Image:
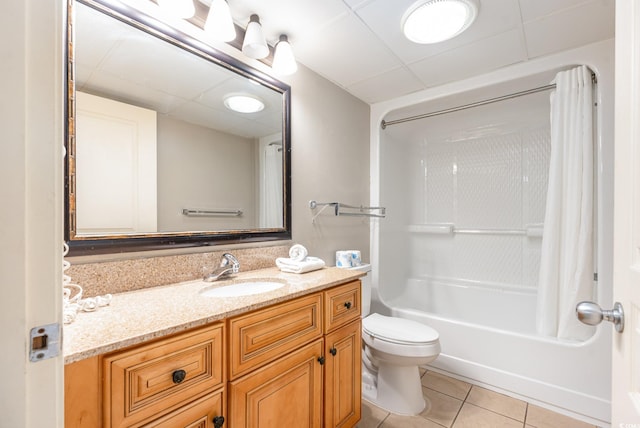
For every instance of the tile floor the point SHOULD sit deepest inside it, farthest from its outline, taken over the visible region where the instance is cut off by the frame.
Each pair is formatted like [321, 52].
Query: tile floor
[458, 404]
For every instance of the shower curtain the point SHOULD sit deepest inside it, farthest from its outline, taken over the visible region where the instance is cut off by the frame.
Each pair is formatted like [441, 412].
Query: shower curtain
[566, 265]
[271, 183]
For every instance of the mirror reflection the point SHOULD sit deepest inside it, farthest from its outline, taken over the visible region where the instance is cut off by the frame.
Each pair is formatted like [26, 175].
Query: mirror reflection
[162, 145]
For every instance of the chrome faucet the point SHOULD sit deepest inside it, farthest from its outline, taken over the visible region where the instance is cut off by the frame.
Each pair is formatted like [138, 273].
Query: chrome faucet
[228, 266]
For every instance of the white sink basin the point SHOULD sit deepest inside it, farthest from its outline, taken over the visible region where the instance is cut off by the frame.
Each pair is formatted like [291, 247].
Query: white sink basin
[244, 288]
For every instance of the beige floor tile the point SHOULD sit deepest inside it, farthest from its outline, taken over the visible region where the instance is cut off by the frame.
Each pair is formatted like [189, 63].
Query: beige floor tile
[498, 403]
[372, 416]
[543, 418]
[444, 408]
[446, 385]
[471, 416]
[396, 421]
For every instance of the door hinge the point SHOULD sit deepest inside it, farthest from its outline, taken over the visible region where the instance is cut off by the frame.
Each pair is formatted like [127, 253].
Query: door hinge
[44, 342]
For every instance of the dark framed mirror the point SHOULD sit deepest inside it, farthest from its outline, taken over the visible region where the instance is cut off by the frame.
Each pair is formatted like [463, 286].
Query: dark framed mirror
[156, 155]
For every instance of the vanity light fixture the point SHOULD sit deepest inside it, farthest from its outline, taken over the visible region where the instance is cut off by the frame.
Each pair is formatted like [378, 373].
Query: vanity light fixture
[219, 24]
[179, 8]
[433, 21]
[254, 44]
[284, 62]
[243, 103]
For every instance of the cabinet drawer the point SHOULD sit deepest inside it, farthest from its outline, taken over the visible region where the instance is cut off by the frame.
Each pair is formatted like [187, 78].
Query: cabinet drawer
[199, 414]
[157, 378]
[262, 336]
[341, 305]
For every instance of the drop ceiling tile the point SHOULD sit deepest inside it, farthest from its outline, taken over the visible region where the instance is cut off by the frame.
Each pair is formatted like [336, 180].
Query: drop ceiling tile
[346, 52]
[385, 17]
[534, 9]
[163, 67]
[471, 60]
[570, 28]
[126, 91]
[391, 84]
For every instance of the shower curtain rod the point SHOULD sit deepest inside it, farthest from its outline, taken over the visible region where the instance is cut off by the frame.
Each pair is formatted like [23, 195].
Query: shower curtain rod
[384, 123]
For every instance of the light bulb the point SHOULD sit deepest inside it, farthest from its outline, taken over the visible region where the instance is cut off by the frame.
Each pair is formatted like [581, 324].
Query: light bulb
[254, 44]
[284, 62]
[219, 22]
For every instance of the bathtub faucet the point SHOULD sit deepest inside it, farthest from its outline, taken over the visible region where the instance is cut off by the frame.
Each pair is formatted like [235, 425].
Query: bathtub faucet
[229, 265]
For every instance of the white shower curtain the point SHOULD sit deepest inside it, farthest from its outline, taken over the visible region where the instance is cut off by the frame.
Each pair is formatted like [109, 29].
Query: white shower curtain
[271, 183]
[566, 265]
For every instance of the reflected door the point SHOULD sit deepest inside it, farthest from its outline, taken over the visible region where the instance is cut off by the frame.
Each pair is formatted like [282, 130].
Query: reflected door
[116, 167]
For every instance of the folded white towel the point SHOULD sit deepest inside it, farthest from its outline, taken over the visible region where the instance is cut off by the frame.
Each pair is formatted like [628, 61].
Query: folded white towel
[298, 253]
[307, 265]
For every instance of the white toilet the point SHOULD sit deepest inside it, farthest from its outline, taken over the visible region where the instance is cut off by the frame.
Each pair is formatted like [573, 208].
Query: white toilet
[393, 348]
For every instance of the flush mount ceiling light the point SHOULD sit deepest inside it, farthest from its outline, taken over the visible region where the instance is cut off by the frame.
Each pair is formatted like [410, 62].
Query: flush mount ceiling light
[254, 44]
[178, 8]
[284, 62]
[243, 103]
[433, 21]
[219, 22]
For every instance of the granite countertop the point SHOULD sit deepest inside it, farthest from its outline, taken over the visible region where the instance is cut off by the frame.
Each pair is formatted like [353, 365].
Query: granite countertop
[138, 316]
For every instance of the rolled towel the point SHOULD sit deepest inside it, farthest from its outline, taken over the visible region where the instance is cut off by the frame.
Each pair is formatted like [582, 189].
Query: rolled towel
[298, 253]
[307, 265]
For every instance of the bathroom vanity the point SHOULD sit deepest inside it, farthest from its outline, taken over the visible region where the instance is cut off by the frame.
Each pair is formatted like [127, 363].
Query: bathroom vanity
[169, 357]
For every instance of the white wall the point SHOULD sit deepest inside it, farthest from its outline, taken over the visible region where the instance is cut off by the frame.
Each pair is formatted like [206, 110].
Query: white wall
[194, 172]
[31, 123]
[330, 146]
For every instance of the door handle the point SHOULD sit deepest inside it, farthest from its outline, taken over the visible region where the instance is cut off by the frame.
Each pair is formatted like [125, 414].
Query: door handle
[592, 314]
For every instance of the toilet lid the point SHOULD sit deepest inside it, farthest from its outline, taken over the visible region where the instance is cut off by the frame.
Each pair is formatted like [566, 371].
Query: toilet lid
[398, 330]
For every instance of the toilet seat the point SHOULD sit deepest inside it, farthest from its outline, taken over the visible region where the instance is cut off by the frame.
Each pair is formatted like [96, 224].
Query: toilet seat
[399, 330]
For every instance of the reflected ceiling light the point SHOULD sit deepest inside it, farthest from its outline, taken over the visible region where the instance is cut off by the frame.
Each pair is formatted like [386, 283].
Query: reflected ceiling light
[284, 62]
[179, 8]
[433, 21]
[219, 22]
[254, 44]
[243, 103]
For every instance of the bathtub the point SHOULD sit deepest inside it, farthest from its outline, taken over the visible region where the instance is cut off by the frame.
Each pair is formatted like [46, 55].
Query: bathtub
[488, 338]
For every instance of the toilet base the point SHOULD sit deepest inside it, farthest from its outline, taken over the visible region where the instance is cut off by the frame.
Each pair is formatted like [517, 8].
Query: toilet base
[397, 389]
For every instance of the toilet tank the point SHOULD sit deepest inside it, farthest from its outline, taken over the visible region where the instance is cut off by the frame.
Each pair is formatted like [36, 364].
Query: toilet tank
[366, 287]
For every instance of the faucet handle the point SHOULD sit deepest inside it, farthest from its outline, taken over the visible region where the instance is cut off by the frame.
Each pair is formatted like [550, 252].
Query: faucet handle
[230, 258]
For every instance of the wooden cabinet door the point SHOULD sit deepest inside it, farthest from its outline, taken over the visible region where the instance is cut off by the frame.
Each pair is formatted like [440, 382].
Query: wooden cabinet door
[342, 376]
[285, 393]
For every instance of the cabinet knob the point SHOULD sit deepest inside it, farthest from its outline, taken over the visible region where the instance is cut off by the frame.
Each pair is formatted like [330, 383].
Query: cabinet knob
[218, 421]
[347, 305]
[333, 351]
[178, 376]
[321, 360]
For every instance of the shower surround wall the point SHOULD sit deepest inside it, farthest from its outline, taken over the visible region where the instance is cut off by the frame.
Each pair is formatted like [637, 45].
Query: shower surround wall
[477, 186]
[460, 247]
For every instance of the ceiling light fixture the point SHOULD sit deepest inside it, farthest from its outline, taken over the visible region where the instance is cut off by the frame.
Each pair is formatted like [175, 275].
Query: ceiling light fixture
[433, 21]
[219, 24]
[284, 62]
[243, 103]
[254, 44]
[180, 8]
